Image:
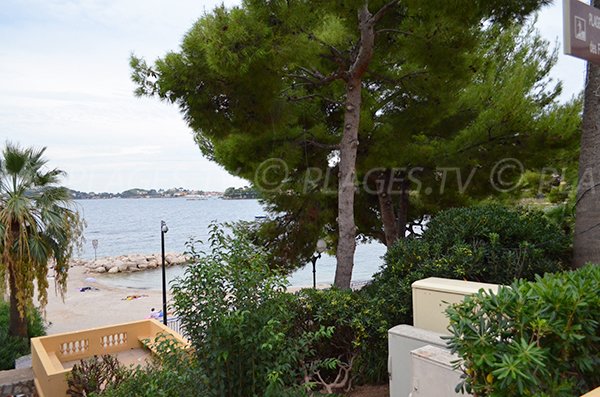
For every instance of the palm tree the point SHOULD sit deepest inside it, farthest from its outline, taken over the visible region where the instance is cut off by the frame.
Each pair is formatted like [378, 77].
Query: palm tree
[38, 226]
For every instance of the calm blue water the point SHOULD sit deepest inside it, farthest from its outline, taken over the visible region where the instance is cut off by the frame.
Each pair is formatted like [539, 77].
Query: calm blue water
[129, 226]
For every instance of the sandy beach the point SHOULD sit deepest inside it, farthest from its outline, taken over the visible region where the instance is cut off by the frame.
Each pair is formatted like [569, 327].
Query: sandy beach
[102, 305]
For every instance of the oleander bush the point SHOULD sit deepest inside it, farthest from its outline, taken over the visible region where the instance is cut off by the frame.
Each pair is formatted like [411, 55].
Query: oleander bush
[490, 243]
[537, 338]
[12, 347]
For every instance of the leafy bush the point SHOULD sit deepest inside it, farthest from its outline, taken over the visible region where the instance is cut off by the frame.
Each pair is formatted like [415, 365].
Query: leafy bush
[357, 324]
[14, 347]
[537, 338]
[505, 242]
[242, 322]
[173, 371]
[491, 244]
[94, 375]
[250, 337]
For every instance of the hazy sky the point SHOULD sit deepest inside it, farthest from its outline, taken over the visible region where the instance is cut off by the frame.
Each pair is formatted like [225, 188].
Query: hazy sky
[64, 84]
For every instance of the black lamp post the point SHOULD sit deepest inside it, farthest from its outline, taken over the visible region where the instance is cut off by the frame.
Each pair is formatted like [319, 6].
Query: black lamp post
[163, 230]
[321, 247]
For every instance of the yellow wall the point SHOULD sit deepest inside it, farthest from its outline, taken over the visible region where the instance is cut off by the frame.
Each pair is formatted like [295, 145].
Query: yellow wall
[49, 352]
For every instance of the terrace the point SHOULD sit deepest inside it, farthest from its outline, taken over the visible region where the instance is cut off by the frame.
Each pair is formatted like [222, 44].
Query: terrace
[53, 356]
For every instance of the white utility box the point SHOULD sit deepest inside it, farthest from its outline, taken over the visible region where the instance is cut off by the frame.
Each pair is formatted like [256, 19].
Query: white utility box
[432, 295]
[433, 374]
[402, 339]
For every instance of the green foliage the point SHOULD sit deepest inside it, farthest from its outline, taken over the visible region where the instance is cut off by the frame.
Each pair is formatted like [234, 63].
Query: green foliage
[458, 85]
[93, 375]
[490, 243]
[357, 323]
[172, 371]
[12, 347]
[239, 319]
[38, 224]
[499, 243]
[537, 338]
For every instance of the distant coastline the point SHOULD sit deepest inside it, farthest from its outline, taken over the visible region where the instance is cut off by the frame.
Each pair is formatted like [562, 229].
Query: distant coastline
[244, 193]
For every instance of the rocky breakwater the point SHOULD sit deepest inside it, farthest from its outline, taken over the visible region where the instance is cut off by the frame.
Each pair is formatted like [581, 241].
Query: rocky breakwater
[130, 263]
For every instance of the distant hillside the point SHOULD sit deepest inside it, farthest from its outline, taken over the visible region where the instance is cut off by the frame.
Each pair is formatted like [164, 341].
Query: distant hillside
[144, 193]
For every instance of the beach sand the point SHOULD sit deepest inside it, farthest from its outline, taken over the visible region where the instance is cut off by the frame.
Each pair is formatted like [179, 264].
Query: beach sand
[95, 308]
[104, 306]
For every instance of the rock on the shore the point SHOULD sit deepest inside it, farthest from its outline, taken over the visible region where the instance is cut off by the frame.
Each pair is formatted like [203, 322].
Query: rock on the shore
[129, 263]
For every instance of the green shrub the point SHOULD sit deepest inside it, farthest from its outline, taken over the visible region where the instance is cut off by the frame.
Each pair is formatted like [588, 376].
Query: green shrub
[358, 322]
[537, 338]
[491, 244]
[173, 371]
[11, 347]
[504, 243]
[94, 374]
[242, 322]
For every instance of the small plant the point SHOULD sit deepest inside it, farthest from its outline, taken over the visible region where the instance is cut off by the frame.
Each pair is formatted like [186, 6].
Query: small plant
[537, 338]
[94, 375]
[173, 371]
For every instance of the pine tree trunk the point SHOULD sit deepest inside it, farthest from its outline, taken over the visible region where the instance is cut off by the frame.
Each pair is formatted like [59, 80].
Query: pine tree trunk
[348, 148]
[17, 324]
[386, 208]
[586, 246]
[347, 187]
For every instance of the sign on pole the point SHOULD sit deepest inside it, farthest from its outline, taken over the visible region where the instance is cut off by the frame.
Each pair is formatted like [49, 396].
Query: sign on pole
[581, 30]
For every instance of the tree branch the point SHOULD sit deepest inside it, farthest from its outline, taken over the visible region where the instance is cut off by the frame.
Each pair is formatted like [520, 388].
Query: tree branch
[337, 55]
[395, 31]
[383, 10]
[399, 79]
[320, 145]
[367, 42]
[316, 78]
[313, 96]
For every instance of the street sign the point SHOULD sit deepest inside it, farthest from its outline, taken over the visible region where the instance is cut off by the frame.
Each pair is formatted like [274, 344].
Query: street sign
[581, 30]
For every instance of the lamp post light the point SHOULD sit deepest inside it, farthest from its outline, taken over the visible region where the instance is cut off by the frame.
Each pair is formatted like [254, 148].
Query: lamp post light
[163, 230]
[321, 247]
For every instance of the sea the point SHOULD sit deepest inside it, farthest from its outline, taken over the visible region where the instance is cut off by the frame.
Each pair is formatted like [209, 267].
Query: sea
[132, 226]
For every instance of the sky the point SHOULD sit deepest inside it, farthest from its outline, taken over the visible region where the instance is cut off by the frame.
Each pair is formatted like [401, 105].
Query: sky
[65, 85]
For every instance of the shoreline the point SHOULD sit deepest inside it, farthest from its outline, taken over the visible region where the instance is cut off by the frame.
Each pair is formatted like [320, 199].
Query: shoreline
[130, 263]
[89, 302]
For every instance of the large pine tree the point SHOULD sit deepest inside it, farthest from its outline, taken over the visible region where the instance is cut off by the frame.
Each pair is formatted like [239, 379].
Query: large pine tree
[279, 90]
